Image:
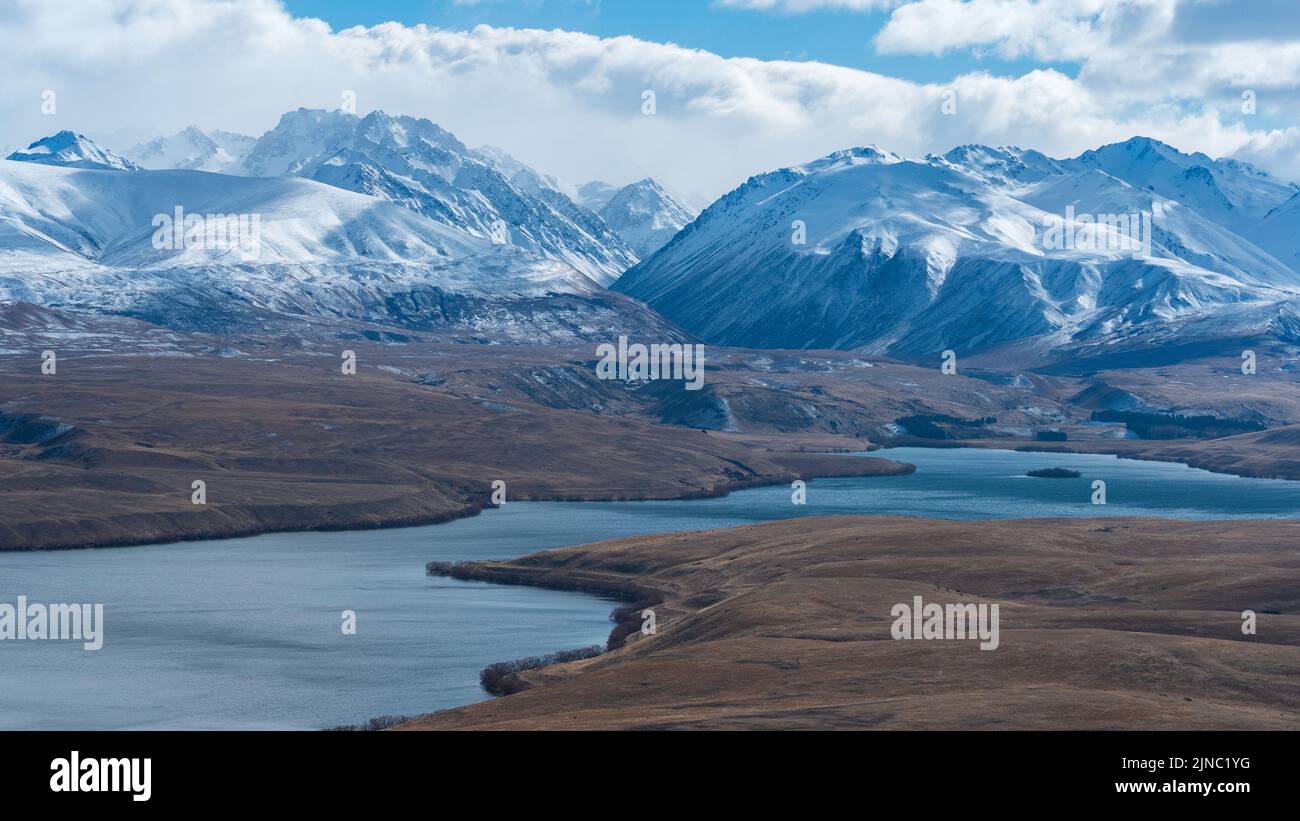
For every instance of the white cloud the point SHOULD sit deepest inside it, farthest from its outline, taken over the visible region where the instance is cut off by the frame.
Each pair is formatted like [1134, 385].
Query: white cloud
[570, 103]
[1049, 30]
[1152, 46]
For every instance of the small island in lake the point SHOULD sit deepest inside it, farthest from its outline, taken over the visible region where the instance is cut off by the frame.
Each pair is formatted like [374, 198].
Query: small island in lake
[1054, 473]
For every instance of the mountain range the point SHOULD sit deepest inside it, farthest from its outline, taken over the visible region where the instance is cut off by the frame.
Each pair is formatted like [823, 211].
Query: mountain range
[86, 238]
[868, 250]
[423, 167]
[394, 220]
[385, 219]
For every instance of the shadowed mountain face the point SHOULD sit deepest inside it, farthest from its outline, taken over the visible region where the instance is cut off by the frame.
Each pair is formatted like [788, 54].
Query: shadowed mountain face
[864, 249]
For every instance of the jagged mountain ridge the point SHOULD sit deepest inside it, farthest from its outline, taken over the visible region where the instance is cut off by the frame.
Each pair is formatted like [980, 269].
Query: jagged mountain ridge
[423, 167]
[308, 142]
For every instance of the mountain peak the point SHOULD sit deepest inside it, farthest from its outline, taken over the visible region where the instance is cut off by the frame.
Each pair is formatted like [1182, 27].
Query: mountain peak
[303, 119]
[299, 137]
[1006, 162]
[72, 150]
[646, 184]
[1135, 150]
[1224, 190]
[645, 216]
[863, 153]
[1138, 143]
[402, 131]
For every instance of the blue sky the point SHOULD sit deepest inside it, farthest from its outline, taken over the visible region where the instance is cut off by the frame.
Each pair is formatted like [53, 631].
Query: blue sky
[838, 36]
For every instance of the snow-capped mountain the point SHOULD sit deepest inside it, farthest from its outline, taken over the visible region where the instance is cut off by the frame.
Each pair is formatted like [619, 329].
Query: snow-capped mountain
[194, 149]
[72, 151]
[197, 250]
[422, 167]
[393, 220]
[1229, 192]
[301, 137]
[645, 216]
[866, 249]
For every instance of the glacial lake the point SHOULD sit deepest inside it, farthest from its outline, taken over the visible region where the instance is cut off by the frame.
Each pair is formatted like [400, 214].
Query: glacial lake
[245, 633]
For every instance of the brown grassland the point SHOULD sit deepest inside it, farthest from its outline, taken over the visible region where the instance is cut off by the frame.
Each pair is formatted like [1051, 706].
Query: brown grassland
[1105, 624]
[299, 446]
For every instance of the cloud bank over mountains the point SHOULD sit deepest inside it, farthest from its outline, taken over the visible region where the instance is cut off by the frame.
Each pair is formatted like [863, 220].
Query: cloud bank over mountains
[572, 104]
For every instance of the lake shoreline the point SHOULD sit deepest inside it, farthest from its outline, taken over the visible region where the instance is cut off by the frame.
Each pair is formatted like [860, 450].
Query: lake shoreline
[864, 466]
[1135, 450]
